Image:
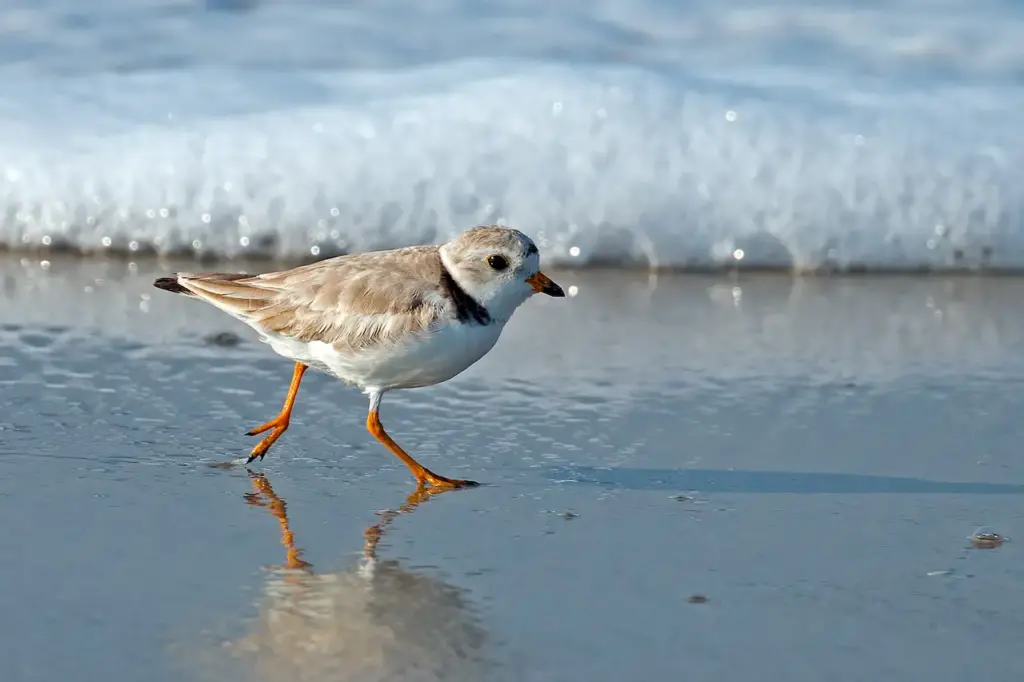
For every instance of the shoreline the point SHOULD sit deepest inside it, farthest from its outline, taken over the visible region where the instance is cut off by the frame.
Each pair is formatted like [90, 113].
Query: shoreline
[266, 263]
[758, 325]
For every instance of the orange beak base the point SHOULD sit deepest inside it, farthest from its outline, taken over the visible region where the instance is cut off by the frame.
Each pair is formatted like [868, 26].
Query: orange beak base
[543, 285]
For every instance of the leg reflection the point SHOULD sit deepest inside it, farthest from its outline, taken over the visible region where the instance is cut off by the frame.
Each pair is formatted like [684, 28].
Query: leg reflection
[374, 533]
[264, 496]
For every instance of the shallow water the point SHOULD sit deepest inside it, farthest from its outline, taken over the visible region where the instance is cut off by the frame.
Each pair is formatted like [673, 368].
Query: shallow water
[809, 455]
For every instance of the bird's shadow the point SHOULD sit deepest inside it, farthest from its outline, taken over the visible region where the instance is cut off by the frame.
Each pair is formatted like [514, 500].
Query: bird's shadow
[748, 481]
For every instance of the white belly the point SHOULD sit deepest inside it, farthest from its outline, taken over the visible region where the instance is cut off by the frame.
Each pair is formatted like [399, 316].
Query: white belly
[422, 361]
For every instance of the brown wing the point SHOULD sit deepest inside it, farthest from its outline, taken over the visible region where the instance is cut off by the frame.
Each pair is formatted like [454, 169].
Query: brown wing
[352, 302]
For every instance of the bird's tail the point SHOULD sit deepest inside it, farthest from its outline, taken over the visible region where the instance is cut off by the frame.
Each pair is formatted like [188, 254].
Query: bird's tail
[172, 285]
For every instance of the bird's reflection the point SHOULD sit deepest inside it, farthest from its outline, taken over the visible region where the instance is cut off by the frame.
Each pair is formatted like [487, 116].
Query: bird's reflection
[378, 622]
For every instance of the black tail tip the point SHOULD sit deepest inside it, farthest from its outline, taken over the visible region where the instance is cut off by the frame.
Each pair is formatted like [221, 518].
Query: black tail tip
[171, 284]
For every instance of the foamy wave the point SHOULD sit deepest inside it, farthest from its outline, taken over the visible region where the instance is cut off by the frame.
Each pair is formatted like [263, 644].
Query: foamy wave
[599, 164]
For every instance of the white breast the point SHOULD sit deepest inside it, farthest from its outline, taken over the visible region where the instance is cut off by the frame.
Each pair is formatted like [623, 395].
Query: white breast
[420, 361]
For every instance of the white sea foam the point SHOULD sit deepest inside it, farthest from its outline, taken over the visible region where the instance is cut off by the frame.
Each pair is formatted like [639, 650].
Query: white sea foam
[615, 132]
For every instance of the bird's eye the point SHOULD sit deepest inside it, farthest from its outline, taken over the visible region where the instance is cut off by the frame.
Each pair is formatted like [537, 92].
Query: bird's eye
[497, 262]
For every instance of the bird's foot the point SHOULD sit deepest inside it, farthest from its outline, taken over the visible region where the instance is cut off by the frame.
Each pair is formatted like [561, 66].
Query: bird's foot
[277, 426]
[261, 448]
[436, 481]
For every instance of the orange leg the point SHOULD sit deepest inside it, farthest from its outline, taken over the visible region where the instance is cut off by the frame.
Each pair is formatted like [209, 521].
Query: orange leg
[422, 474]
[278, 424]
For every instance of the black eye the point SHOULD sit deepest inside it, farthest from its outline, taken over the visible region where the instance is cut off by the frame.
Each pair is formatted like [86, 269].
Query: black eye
[497, 262]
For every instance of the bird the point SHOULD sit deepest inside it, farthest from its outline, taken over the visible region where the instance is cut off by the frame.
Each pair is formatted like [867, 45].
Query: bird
[381, 321]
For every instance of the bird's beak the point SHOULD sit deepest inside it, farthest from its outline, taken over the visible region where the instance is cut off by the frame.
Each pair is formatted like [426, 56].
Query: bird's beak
[542, 285]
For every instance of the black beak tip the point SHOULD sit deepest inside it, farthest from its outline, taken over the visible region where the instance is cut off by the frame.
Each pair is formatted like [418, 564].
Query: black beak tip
[554, 290]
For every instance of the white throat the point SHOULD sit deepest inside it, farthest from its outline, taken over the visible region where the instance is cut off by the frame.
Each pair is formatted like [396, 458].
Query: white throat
[500, 298]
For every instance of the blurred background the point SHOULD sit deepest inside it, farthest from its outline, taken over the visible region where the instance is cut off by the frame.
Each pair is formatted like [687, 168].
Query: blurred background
[828, 134]
[772, 432]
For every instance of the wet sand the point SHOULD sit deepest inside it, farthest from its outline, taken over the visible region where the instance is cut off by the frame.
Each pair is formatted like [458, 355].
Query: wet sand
[685, 477]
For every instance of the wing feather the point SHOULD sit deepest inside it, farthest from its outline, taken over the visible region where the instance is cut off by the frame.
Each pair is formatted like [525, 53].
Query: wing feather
[352, 302]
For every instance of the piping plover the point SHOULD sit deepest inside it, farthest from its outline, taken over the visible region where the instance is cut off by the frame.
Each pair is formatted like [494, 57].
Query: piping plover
[383, 320]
